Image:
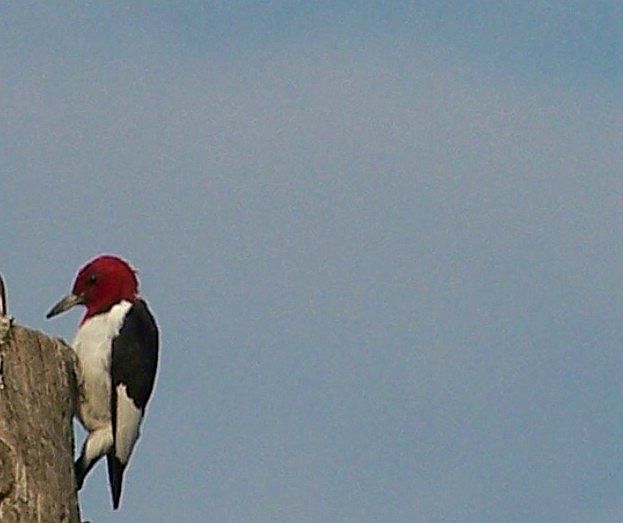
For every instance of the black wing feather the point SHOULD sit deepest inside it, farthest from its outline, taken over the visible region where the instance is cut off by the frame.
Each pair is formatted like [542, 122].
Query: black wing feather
[134, 363]
[115, 477]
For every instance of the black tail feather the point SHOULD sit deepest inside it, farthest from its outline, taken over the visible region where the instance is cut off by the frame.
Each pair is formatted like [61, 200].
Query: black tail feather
[115, 478]
[81, 469]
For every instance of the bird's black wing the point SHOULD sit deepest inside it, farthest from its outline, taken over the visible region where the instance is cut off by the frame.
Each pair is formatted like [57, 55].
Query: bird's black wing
[133, 370]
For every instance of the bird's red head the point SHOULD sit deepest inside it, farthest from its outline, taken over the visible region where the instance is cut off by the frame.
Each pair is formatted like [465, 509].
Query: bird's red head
[105, 281]
[100, 284]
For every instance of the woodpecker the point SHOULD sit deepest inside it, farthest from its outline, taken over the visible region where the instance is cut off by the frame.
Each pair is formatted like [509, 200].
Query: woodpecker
[117, 347]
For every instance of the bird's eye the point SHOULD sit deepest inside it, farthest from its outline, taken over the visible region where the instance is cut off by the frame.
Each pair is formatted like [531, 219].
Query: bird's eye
[92, 279]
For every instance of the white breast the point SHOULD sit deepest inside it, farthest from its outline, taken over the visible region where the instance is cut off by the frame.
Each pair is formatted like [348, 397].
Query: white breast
[93, 345]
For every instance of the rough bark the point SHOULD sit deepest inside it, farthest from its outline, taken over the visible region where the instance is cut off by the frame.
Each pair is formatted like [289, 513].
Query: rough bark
[37, 394]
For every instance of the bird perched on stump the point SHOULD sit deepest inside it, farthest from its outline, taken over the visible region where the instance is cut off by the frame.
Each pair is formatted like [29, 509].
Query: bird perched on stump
[117, 346]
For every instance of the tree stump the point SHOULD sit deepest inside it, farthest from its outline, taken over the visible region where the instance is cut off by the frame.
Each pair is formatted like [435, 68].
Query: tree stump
[38, 391]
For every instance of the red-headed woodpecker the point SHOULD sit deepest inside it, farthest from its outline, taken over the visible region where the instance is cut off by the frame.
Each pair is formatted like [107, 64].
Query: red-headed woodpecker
[117, 346]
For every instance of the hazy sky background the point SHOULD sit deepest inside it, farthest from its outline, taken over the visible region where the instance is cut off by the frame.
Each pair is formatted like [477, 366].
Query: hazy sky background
[383, 241]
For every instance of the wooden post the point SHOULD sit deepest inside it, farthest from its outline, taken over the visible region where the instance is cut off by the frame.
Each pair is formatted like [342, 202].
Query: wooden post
[38, 391]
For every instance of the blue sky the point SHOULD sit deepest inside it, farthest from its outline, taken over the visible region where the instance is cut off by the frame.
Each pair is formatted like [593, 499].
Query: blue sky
[382, 241]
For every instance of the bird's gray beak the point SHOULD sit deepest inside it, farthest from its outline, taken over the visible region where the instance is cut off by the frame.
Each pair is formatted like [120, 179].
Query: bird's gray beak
[69, 301]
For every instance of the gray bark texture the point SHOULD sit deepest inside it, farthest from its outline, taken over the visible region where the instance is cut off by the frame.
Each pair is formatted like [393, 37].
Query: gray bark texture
[38, 390]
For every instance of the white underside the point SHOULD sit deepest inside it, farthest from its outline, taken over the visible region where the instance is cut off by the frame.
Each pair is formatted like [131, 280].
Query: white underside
[93, 345]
